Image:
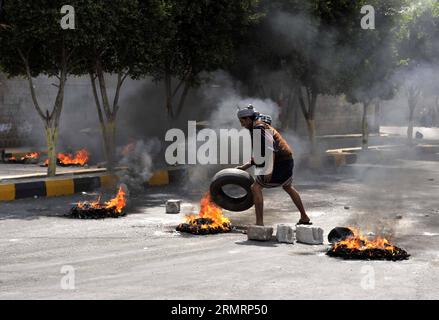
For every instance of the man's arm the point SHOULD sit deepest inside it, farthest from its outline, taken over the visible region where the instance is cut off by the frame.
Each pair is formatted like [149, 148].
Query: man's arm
[245, 166]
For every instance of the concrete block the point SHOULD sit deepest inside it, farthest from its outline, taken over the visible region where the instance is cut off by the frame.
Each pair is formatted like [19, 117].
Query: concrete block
[285, 234]
[309, 234]
[173, 206]
[259, 233]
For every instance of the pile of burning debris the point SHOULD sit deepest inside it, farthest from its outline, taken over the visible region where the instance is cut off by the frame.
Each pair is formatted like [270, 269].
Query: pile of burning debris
[353, 245]
[29, 158]
[113, 208]
[210, 220]
[80, 159]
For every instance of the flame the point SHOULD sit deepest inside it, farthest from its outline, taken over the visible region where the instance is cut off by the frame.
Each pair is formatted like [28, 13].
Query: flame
[94, 204]
[117, 203]
[30, 155]
[359, 242]
[81, 158]
[209, 210]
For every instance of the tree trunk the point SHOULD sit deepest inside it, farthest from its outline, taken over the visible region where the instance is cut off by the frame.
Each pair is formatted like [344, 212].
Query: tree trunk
[311, 126]
[377, 117]
[106, 113]
[308, 110]
[51, 140]
[110, 144]
[183, 98]
[412, 97]
[168, 93]
[365, 127]
[51, 120]
[296, 118]
[410, 125]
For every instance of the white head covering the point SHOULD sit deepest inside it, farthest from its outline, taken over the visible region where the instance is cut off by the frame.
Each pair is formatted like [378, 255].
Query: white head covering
[247, 112]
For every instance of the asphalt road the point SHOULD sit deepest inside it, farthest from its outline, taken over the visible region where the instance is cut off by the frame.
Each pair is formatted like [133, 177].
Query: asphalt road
[44, 255]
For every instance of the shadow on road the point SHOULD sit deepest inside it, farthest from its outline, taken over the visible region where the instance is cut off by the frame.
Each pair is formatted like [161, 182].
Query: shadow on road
[270, 244]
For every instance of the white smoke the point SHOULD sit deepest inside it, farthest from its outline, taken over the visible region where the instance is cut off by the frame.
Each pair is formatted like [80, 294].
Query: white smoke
[138, 160]
[225, 97]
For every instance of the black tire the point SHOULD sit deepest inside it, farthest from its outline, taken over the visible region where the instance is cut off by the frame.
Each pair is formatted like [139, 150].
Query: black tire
[339, 234]
[233, 177]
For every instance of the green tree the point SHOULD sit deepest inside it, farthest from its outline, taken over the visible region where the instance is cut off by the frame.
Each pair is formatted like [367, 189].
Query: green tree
[370, 58]
[116, 40]
[195, 37]
[417, 47]
[308, 42]
[33, 43]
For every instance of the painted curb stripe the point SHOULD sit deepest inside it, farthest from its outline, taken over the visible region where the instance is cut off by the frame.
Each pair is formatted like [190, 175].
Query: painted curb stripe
[86, 184]
[108, 182]
[30, 189]
[64, 187]
[177, 175]
[59, 188]
[160, 178]
[340, 159]
[7, 192]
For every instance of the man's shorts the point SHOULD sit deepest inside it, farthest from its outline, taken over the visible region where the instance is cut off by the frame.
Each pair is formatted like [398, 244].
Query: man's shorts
[282, 175]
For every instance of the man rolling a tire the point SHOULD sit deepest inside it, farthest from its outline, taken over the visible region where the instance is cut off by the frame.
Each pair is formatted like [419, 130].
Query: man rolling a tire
[281, 174]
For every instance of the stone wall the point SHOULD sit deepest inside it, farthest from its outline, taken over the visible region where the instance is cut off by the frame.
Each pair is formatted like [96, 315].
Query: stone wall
[334, 116]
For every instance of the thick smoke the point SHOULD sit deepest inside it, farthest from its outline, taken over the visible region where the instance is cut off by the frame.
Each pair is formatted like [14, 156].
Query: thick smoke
[227, 98]
[385, 194]
[138, 163]
[423, 77]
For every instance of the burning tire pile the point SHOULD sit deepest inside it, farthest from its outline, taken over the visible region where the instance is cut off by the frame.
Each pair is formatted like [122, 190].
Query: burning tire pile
[204, 226]
[29, 158]
[96, 210]
[210, 220]
[358, 247]
[80, 159]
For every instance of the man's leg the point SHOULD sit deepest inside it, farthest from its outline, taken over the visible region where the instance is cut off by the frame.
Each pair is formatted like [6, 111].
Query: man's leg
[259, 203]
[297, 201]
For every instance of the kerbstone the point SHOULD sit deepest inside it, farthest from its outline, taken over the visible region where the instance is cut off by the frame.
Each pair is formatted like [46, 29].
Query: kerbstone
[259, 233]
[285, 234]
[309, 234]
[173, 206]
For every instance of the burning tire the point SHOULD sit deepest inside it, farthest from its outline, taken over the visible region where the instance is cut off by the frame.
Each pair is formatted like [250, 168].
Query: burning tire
[359, 247]
[234, 177]
[339, 234]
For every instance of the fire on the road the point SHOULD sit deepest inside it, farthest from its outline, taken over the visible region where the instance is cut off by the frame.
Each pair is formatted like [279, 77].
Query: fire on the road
[97, 210]
[359, 246]
[65, 159]
[210, 219]
[27, 157]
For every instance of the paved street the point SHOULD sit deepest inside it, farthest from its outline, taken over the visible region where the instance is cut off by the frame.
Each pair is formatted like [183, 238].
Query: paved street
[141, 256]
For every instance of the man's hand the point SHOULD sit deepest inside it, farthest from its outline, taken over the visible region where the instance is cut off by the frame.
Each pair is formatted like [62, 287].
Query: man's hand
[267, 178]
[244, 167]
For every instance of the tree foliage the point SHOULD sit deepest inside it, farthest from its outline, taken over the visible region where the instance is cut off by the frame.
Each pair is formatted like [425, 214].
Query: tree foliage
[115, 40]
[195, 37]
[32, 43]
